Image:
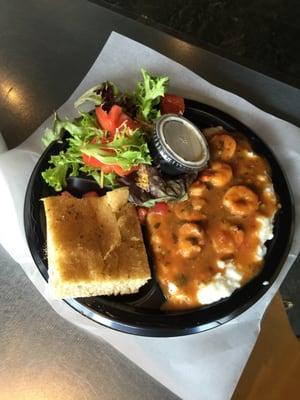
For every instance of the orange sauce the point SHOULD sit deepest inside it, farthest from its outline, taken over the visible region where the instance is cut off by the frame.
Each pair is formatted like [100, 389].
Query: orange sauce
[216, 232]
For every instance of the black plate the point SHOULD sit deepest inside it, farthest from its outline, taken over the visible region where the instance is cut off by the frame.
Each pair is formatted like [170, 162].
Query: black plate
[140, 314]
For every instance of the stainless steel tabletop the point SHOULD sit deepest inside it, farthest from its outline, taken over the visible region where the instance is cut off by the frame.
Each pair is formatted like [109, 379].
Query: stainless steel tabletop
[46, 47]
[44, 357]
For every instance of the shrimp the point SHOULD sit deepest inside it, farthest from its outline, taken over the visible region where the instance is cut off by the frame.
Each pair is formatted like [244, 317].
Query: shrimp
[240, 200]
[222, 147]
[213, 130]
[226, 238]
[157, 243]
[197, 189]
[185, 211]
[219, 174]
[190, 240]
[198, 203]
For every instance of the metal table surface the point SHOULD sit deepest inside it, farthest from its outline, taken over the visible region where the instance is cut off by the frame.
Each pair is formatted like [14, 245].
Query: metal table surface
[46, 47]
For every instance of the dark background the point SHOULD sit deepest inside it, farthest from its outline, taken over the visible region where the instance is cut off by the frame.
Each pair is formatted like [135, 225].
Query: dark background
[261, 34]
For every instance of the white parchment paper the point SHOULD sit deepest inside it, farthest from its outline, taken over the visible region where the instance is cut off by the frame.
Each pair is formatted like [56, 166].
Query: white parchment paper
[201, 366]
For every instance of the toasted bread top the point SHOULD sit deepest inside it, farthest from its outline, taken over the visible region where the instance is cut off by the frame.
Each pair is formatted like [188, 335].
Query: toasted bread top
[81, 233]
[117, 198]
[132, 257]
[94, 239]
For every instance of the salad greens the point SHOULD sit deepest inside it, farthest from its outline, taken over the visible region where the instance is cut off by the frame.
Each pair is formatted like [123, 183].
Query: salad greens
[123, 149]
[68, 162]
[104, 94]
[148, 94]
[148, 186]
[109, 143]
[142, 104]
[126, 149]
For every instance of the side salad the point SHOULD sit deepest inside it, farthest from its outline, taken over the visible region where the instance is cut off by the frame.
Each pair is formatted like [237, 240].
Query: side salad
[110, 142]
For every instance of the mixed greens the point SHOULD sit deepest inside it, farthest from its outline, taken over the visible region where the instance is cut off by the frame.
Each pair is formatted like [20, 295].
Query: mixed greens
[147, 96]
[148, 186]
[110, 142]
[124, 146]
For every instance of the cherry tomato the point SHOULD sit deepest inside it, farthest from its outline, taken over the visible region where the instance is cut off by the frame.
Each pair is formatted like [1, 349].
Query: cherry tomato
[160, 208]
[93, 162]
[172, 104]
[115, 113]
[122, 172]
[107, 168]
[104, 120]
[114, 119]
[110, 121]
[65, 193]
[90, 194]
[124, 118]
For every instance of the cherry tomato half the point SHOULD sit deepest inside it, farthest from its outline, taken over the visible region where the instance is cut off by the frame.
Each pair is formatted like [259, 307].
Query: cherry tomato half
[65, 193]
[172, 104]
[114, 119]
[107, 168]
[90, 194]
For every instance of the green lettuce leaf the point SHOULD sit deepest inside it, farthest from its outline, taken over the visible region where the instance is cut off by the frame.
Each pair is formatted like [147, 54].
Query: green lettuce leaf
[148, 94]
[105, 93]
[101, 178]
[50, 135]
[63, 164]
[126, 150]
[92, 96]
[83, 128]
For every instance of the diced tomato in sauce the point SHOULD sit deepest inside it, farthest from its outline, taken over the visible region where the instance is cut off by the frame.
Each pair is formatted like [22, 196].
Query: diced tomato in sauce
[160, 208]
[142, 214]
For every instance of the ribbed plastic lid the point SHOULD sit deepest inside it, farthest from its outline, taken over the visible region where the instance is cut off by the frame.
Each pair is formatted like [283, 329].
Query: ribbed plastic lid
[181, 141]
